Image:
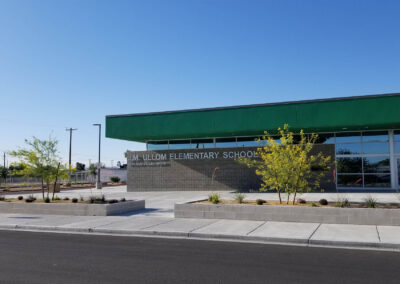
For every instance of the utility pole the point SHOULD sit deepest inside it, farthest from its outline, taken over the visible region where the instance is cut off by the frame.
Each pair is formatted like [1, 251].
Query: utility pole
[70, 143]
[98, 184]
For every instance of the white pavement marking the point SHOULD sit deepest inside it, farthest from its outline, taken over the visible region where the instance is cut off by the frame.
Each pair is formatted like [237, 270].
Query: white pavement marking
[229, 227]
[346, 233]
[389, 234]
[286, 230]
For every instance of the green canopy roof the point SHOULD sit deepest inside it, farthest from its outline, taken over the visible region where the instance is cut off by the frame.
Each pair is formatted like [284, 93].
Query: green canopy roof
[338, 114]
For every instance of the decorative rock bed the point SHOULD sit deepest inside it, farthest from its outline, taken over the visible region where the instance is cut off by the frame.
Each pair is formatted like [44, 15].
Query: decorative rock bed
[358, 216]
[77, 209]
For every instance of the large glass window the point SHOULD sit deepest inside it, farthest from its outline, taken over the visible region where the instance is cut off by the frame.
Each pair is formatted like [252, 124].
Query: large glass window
[363, 160]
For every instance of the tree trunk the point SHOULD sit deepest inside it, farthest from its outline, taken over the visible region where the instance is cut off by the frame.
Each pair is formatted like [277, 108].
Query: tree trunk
[55, 181]
[279, 195]
[294, 198]
[42, 189]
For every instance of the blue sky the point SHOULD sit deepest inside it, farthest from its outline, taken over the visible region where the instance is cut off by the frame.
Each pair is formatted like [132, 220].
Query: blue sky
[69, 63]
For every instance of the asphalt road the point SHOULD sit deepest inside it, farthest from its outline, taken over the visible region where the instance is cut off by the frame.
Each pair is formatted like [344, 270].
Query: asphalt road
[30, 257]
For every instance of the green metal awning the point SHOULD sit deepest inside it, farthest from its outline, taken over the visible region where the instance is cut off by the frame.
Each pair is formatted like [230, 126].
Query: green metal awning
[339, 114]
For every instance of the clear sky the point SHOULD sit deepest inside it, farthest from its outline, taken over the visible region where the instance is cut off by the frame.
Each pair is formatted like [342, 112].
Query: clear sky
[69, 63]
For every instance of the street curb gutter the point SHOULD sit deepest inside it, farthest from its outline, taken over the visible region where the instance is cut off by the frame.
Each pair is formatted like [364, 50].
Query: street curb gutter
[199, 236]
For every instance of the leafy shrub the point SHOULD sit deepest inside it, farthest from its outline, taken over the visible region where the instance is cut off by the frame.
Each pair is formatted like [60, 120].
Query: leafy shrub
[301, 200]
[47, 200]
[214, 198]
[111, 201]
[323, 201]
[260, 201]
[370, 202]
[74, 200]
[2, 198]
[57, 198]
[66, 198]
[123, 199]
[28, 200]
[239, 197]
[20, 197]
[313, 204]
[115, 179]
[342, 202]
[68, 184]
[81, 198]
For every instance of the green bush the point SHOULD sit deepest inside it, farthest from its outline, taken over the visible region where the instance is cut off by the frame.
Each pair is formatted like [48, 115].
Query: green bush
[342, 202]
[370, 202]
[323, 201]
[47, 200]
[260, 201]
[239, 197]
[2, 198]
[66, 198]
[74, 200]
[301, 200]
[111, 201]
[123, 199]
[20, 197]
[313, 204]
[57, 198]
[115, 179]
[214, 198]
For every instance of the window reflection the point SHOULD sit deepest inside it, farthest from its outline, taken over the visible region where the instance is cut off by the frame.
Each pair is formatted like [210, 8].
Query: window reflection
[376, 164]
[348, 137]
[325, 139]
[375, 136]
[349, 180]
[349, 165]
[379, 180]
[348, 149]
[376, 148]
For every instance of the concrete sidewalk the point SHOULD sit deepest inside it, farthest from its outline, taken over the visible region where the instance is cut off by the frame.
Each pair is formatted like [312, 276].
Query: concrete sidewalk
[305, 234]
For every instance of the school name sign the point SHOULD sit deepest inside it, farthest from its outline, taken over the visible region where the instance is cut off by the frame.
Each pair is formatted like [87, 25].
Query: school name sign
[162, 158]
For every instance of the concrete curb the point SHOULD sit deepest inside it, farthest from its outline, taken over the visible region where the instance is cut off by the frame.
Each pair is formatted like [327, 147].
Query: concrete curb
[215, 237]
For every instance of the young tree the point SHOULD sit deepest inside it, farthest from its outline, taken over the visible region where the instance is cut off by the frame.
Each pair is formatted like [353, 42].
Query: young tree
[287, 165]
[4, 172]
[40, 159]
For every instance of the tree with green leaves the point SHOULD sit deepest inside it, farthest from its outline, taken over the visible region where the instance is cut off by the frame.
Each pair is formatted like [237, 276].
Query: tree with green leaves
[287, 164]
[40, 159]
[4, 172]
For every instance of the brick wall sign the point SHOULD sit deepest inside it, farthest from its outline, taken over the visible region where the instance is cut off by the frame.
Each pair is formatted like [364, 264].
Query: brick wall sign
[199, 169]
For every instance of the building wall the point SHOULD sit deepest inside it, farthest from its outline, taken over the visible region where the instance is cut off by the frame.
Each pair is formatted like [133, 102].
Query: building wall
[201, 169]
